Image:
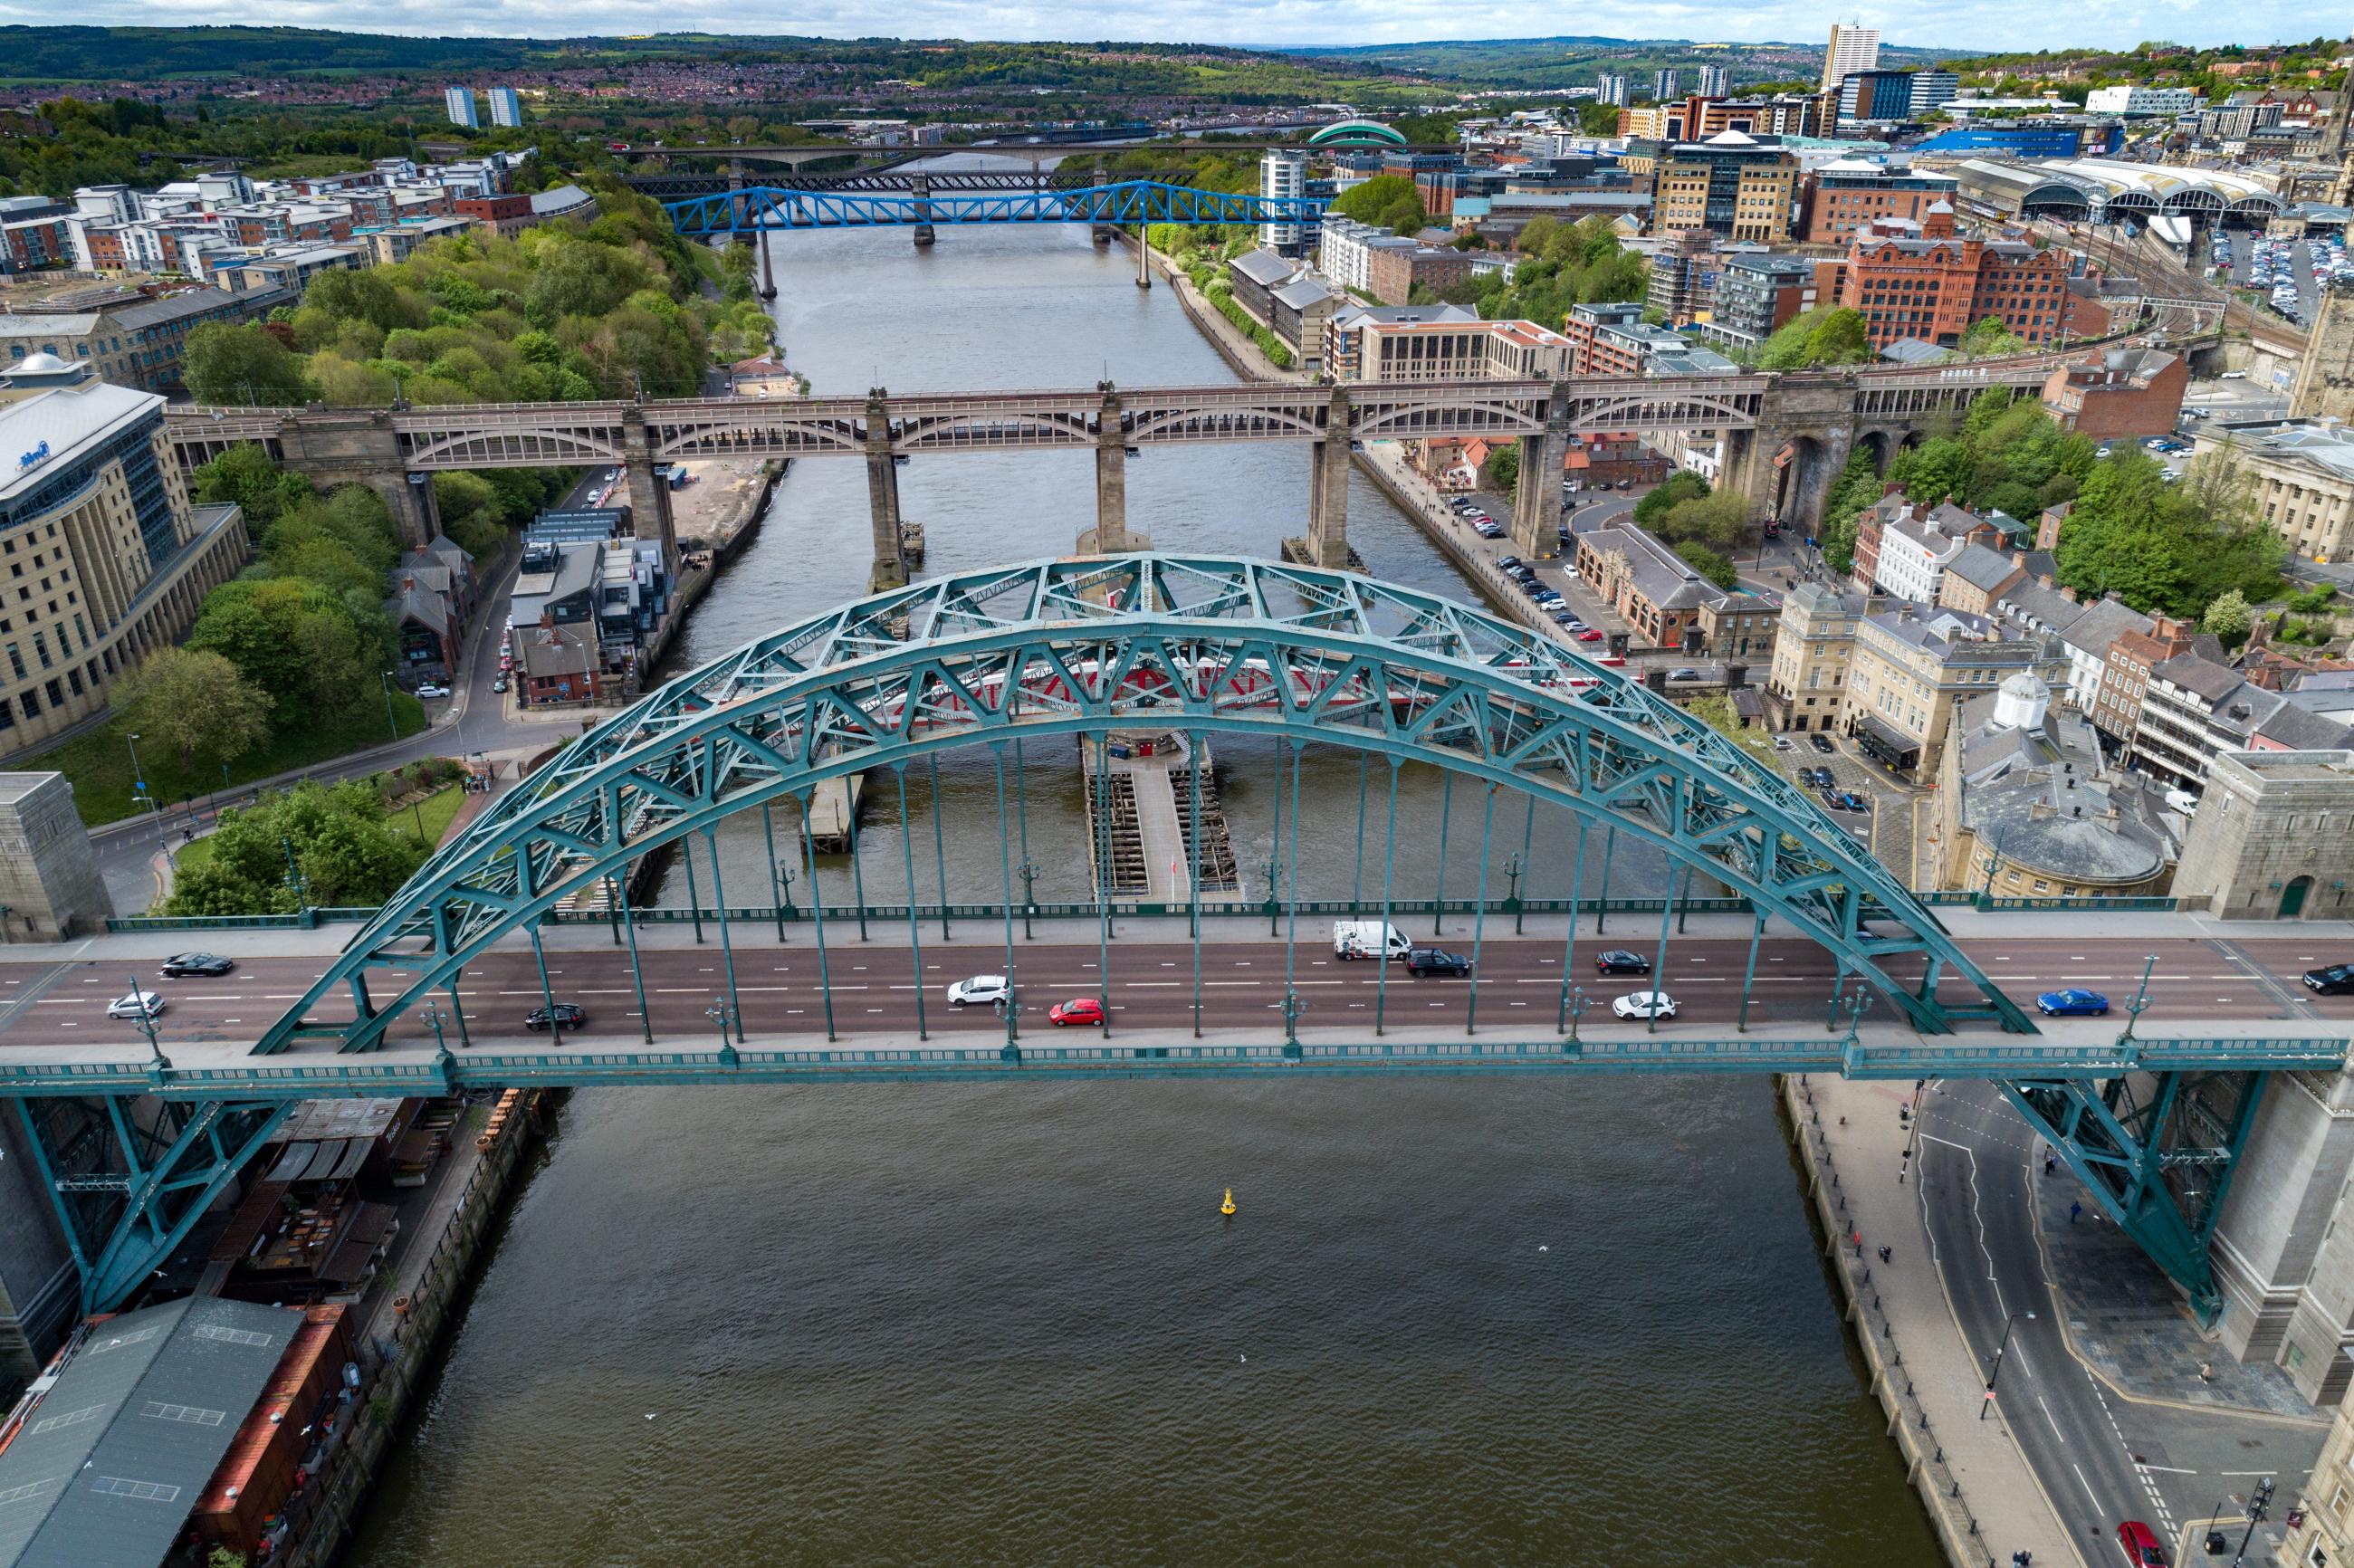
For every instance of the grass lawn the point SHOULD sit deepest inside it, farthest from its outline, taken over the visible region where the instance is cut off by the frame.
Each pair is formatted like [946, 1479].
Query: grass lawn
[98, 765]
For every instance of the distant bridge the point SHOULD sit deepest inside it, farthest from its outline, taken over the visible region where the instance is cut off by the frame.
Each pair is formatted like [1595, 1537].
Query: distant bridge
[922, 206]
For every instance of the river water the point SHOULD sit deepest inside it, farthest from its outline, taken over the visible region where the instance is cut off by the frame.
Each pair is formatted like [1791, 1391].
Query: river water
[1572, 1321]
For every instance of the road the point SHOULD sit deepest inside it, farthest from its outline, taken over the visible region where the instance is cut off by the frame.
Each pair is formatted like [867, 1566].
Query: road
[1243, 984]
[2102, 1457]
[473, 720]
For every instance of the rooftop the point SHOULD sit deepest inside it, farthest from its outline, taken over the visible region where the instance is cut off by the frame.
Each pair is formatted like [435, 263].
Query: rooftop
[67, 420]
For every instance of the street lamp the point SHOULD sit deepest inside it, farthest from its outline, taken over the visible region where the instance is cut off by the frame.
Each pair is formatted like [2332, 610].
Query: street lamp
[2257, 1506]
[138, 774]
[146, 1018]
[385, 680]
[1513, 868]
[785, 885]
[1578, 1003]
[1996, 1370]
[1028, 871]
[720, 1013]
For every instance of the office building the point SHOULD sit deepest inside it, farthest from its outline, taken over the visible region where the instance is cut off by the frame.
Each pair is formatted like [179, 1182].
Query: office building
[129, 338]
[1426, 350]
[106, 559]
[2134, 101]
[1927, 281]
[506, 107]
[1932, 90]
[2304, 472]
[1914, 662]
[1282, 176]
[1840, 199]
[459, 101]
[1731, 184]
[1852, 49]
[1883, 97]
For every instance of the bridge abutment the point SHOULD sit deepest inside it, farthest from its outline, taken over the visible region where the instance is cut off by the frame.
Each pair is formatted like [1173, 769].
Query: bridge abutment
[890, 568]
[335, 446]
[650, 516]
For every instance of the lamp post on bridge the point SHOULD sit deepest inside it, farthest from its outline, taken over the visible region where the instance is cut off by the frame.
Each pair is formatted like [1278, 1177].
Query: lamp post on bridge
[1996, 1370]
[1578, 1003]
[720, 1013]
[1513, 869]
[145, 1016]
[2141, 1000]
[1028, 871]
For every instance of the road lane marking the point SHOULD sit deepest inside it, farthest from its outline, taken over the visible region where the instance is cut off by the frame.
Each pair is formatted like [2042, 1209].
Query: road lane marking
[2056, 1425]
[2083, 1483]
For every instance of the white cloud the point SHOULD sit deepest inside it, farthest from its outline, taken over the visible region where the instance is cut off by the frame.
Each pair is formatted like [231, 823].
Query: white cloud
[1995, 24]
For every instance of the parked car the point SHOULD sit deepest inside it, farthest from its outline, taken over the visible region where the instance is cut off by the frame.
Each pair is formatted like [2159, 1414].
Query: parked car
[430, 689]
[1822, 743]
[182, 964]
[1436, 961]
[1620, 962]
[1849, 800]
[138, 1004]
[1077, 1010]
[2140, 1543]
[2072, 1005]
[1509, 562]
[1589, 635]
[1819, 777]
[499, 686]
[985, 991]
[1683, 674]
[568, 1015]
[1642, 1004]
[1782, 743]
[2337, 980]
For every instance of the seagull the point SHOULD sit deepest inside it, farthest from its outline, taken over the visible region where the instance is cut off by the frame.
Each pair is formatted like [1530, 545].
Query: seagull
[1542, 1247]
[650, 1415]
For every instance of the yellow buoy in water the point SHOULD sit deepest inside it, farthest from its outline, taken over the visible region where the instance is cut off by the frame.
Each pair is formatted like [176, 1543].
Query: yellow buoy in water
[1227, 1208]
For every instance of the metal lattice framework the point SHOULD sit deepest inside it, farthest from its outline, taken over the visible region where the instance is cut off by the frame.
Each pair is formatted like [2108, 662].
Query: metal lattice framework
[759, 207]
[1102, 644]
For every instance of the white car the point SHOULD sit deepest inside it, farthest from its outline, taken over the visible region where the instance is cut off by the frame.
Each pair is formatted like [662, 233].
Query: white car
[431, 690]
[1642, 1004]
[979, 990]
[138, 1003]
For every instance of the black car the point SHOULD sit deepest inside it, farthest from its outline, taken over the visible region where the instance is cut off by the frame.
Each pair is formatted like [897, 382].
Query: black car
[1509, 562]
[568, 1015]
[1619, 961]
[2337, 980]
[1820, 778]
[1822, 743]
[180, 964]
[1436, 961]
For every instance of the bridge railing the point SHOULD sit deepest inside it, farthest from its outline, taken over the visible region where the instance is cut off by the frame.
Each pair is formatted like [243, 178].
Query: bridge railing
[1127, 909]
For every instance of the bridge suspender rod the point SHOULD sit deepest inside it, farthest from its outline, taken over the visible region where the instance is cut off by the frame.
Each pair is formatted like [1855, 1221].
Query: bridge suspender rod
[1669, 905]
[1275, 854]
[776, 893]
[637, 970]
[1022, 819]
[1749, 975]
[817, 912]
[726, 947]
[1194, 749]
[1479, 914]
[939, 849]
[1005, 882]
[1569, 949]
[1103, 886]
[1291, 909]
[857, 869]
[694, 898]
[613, 913]
[1389, 866]
[1602, 903]
[1446, 805]
[458, 1012]
[547, 995]
[1357, 888]
[1528, 867]
[914, 937]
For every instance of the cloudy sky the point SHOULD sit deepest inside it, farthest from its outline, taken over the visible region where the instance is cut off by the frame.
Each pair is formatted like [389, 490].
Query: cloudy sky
[1991, 24]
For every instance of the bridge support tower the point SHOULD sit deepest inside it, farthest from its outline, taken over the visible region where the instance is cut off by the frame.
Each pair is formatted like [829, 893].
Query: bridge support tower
[360, 446]
[1536, 504]
[923, 193]
[650, 515]
[1327, 544]
[890, 568]
[1110, 534]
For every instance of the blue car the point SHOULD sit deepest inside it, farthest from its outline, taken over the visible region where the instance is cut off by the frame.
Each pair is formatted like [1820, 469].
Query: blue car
[2071, 1003]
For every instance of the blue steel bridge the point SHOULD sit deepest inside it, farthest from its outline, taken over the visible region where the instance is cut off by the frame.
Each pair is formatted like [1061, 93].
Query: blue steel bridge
[135, 1144]
[757, 208]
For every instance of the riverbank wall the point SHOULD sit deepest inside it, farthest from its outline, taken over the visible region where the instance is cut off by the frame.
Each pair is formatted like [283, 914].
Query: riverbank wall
[400, 1342]
[1919, 1441]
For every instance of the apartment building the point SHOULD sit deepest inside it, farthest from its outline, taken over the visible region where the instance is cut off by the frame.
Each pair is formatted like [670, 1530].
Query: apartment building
[1913, 546]
[1731, 184]
[1346, 327]
[1813, 650]
[506, 107]
[1756, 293]
[1911, 663]
[2137, 101]
[2305, 479]
[1666, 604]
[1852, 48]
[1453, 350]
[106, 560]
[2194, 709]
[1928, 283]
[459, 101]
[2124, 673]
[1840, 200]
[1611, 339]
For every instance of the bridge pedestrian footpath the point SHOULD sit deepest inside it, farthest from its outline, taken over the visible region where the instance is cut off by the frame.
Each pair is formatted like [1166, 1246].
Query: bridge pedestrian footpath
[1983, 1497]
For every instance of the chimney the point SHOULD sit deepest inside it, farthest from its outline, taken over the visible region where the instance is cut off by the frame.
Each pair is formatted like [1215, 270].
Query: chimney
[407, 585]
[2070, 595]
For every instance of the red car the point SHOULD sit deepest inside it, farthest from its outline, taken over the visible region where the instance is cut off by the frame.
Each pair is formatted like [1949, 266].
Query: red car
[1078, 1010]
[2141, 1545]
[1589, 635]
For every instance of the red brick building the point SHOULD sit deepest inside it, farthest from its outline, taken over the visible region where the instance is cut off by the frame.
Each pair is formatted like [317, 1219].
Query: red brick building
[1925, 281]
[2130, 392]
[1394, 269]
[1841, 199]
[505, 216]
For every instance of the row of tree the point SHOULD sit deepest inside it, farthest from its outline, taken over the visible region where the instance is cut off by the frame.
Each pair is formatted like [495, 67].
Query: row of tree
[1565, 265]
[322, 844]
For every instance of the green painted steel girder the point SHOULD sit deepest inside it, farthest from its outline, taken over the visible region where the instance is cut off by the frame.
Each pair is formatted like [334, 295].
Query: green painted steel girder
[1098, 644]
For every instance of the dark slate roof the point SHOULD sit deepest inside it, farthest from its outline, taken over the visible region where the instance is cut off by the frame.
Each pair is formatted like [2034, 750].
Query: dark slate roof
[2102, 624]
[111, 1463]
[2040, 795]
[422, 605]
[1982, 568]
[1264, 267]
[2212, 681]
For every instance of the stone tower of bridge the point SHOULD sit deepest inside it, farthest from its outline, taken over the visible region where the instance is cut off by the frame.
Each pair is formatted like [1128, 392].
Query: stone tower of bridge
[2325, 379]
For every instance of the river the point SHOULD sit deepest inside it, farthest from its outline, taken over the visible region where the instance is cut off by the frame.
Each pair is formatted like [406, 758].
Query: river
[1566, 1321]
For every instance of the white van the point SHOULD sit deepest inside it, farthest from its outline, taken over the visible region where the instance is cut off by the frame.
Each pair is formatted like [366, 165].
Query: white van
[1366, 939]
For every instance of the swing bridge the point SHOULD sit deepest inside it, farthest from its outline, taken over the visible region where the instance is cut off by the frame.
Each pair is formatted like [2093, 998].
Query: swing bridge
[137, 1139]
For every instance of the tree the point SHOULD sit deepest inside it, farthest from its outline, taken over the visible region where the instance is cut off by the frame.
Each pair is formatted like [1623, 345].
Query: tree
[1536, 234]
[194, 701]
[2229, 618]
[245, 476]
[231, 364]
[1828, 334]
[1386, 201]
[1679, 487]
[1857, 487]
[1716, 520]
[1503, 468]
[1710, 564]
[345, 848]
[1991, 336]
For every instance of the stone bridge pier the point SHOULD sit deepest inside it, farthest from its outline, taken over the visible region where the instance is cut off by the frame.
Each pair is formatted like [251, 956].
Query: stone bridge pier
[359, 446]
[650, 515]
[1786, 466]
[890, 568]
[1536, 503]
[1111, 534]
[1327, 544]
[922, 187]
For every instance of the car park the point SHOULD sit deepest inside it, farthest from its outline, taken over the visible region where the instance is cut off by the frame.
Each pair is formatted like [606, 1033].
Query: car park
[568, 1015]
[1436, 961]
[981, 991]
[1077, 1010]
[1645, 1004]
[2073, 1003]
[2336, 979]
[1620, 962]
[211, 965]
[137, 1004]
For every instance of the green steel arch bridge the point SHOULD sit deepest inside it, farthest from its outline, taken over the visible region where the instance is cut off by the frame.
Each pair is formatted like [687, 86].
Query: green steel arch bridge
[135, 1150]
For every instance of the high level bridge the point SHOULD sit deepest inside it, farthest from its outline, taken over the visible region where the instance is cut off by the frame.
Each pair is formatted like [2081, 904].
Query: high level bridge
[135, 1143]
[1788, 436]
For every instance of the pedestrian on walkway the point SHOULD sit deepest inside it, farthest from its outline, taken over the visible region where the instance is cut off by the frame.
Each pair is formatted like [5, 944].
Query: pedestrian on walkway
[2206, 1371]
[1883, 1254]
[2050, 1162]
[2073, 1209]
